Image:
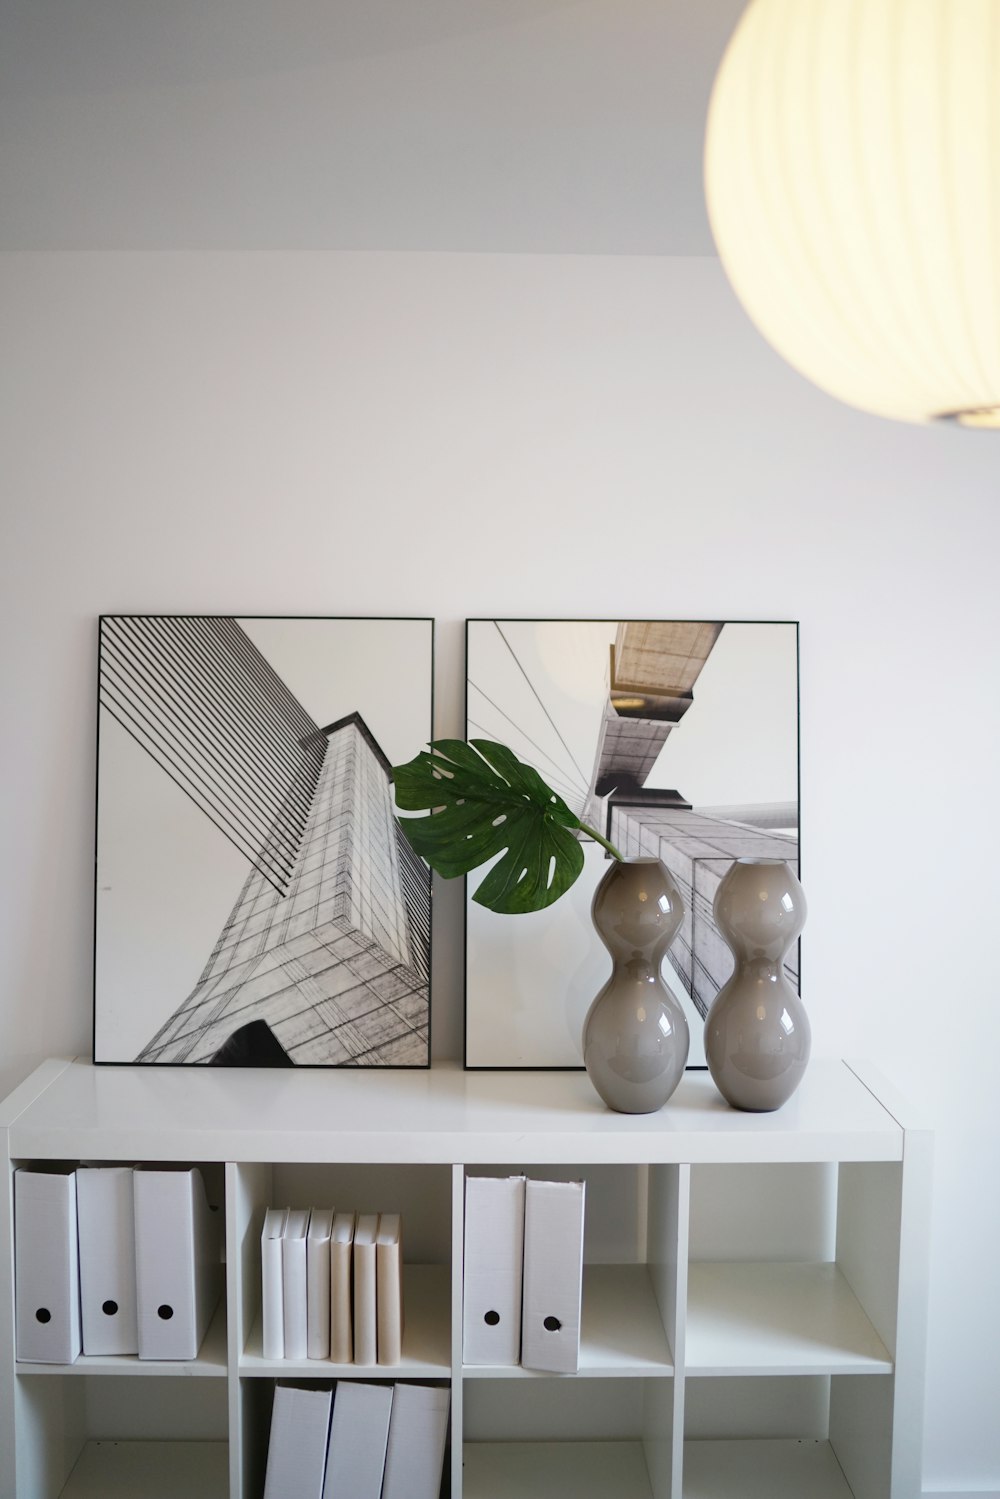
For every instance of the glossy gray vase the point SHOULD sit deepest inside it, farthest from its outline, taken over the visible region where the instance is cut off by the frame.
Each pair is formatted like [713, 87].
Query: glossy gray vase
[757, 1033]
[635, 1036]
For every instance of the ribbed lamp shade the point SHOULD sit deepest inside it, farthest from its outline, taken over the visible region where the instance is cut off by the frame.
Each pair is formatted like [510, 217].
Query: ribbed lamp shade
[852, 170]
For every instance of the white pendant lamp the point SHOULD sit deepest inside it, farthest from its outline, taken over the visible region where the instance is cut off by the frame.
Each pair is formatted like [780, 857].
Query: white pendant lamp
[852, 171]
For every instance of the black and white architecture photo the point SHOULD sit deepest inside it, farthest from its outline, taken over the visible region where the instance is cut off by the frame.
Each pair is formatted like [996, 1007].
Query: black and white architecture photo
[257, 902]
[673, 738]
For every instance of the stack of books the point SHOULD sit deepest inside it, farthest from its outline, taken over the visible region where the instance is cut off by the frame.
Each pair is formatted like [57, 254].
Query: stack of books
[332, 1286]
[523, 1280]
[114, 1260]
[357, 1441]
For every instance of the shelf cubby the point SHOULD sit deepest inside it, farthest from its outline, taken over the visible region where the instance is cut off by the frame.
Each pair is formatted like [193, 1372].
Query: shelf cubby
[630, 1254]
[75, 1434]
[815, 1285]
[834, 1432]
[558, 1439]
[421, 1194]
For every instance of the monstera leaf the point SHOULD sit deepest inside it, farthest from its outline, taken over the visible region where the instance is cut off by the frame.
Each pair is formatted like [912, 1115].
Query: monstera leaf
[485, 802]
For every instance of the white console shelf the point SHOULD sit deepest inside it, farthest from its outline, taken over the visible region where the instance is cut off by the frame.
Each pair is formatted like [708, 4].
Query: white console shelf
[753, 1312]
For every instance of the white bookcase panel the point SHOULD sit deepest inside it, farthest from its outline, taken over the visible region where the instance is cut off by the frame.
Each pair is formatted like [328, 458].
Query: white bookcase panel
[753, 1308]
[156, 1470]
[556, 1470]
[778, 1318]
[763, 1469]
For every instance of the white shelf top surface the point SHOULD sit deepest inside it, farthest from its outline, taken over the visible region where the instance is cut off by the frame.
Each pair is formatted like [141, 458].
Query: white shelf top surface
[156, 1470]
[442, 1114]
[770, 1318]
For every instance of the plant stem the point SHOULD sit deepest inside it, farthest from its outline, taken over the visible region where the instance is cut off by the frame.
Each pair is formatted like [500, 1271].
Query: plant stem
[616, 853]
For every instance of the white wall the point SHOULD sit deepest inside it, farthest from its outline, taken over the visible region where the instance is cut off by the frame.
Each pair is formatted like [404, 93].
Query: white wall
[456, 435]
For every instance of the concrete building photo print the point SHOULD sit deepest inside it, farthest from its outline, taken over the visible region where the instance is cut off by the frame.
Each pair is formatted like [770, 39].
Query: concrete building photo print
[673, 738]
[257, 903]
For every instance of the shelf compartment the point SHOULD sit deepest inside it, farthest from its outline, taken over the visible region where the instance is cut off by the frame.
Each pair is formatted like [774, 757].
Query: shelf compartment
[426, 1338]
[555, 1470]
[156, 1470]
[210, 1363]
[756, 1469]
[621, 1332]
[778, 1318]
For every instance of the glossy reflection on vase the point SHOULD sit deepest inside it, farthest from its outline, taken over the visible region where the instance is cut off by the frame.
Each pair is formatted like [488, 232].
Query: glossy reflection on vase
[757, 1035]
[635, 1037]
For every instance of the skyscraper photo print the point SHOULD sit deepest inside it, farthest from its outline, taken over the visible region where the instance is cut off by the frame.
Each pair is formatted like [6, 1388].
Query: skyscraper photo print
[257, 902]
[676, 739]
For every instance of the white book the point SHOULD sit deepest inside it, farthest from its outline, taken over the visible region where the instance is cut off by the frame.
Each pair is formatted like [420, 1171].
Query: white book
[296, 1449]
[553, 1276]
[46, 1267]
[178, 1266]
[365, 1320]
[342, 1289]
[318, 1283]
[359, 1432]
[389, 1289]
[418, 1434]
[106, 1228]
[272, 1296]
[293, 1282]
[494, 1255]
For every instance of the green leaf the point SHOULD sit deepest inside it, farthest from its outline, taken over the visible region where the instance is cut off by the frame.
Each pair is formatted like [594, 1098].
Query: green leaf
[485, 802]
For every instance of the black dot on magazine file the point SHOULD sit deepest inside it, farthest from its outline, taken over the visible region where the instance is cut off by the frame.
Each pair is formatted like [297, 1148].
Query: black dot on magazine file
[109, 1308]
[552, 1324]
[43, 1314]
[491, 1319]
[164, 1311]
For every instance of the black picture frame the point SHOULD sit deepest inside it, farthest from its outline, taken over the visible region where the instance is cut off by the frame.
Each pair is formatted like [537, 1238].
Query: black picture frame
[526, 1013]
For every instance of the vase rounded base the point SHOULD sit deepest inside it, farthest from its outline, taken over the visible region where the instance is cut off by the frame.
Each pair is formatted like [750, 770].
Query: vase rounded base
[635, 1054]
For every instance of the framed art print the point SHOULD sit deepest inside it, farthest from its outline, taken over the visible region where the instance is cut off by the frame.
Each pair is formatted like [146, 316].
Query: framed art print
[673, 738]
[257, 903]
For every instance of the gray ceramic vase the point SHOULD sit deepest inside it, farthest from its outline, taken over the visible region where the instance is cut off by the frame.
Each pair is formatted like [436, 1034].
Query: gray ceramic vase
[757, 1032]
[635, 1037]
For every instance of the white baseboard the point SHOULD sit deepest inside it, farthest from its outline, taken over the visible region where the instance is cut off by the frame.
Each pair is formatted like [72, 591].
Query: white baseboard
[961, 1494]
